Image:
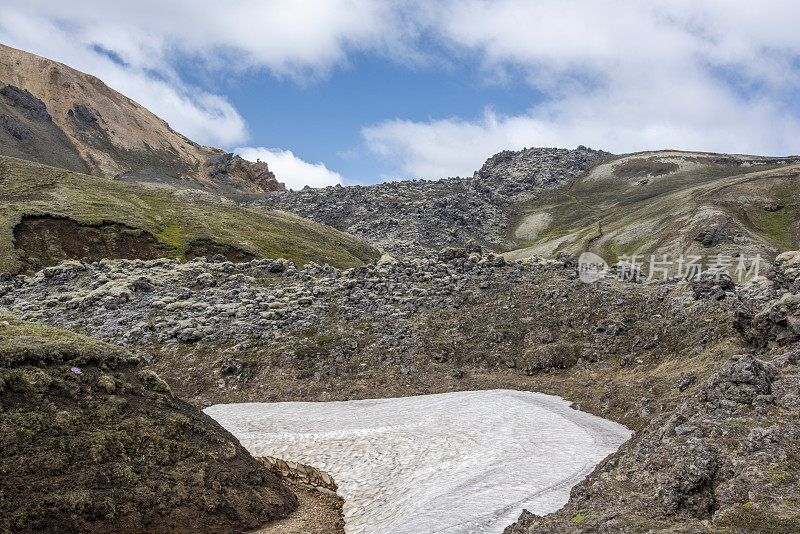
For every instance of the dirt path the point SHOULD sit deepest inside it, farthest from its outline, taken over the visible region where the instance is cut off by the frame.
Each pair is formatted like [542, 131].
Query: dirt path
[317, 513]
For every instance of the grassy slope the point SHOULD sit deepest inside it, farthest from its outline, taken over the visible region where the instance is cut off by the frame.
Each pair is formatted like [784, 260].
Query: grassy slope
[31, 189]
[646, 219]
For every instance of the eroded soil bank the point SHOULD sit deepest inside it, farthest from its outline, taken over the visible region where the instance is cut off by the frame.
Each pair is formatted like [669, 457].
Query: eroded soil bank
[44, 241]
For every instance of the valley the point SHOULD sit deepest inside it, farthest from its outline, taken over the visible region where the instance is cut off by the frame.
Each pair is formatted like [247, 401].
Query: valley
[186, 346]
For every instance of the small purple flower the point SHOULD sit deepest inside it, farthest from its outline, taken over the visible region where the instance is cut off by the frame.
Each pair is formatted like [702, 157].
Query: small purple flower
[76, 370]
[5, 323]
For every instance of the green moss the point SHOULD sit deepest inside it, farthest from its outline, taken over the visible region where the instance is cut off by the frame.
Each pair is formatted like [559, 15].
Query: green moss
[22, 342]
[784, 471]
[172, 236]
[578, 518]
[748, 518]
[34, 189]
[779, 225]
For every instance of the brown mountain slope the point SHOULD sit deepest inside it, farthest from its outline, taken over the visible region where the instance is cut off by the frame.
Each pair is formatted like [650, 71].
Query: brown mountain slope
[53, 114]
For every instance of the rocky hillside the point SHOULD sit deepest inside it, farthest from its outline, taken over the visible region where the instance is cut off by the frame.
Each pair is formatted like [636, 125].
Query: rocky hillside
[52, 114]
[460, 320]
[540, 202]
[49, 214]
[728, 458]
[670, 203]
[704, 371]
[418, 217]
[91, 442]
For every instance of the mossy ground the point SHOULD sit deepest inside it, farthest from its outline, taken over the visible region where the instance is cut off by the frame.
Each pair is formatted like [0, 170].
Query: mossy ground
[28, 188]
[652, 218]
[91, 443]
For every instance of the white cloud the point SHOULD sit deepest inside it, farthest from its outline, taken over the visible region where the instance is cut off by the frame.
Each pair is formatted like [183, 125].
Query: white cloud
[622, 75]
[290, 38]
[290, 169]
[298, 40]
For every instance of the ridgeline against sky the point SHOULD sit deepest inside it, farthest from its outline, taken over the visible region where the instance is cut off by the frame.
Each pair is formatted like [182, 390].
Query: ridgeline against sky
[359, 91]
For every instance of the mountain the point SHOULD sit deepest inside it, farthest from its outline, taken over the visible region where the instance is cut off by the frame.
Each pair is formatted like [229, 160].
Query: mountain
[542, 202]
[417, 217]
[49, 214]
[668, 202]
[56, 115]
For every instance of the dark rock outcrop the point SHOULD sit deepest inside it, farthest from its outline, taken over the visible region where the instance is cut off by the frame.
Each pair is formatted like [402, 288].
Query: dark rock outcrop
[82, 113]
[228, 170]
[711, 464]
[418, 217]
[712, 236]
[740, 380]
[33, 108]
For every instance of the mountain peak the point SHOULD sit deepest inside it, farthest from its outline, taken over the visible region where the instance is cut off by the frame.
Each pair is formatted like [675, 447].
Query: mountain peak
[53, 114]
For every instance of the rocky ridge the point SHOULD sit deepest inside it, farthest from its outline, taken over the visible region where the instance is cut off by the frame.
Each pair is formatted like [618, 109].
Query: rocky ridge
[218, 301]
[219, 329]
[415, 217]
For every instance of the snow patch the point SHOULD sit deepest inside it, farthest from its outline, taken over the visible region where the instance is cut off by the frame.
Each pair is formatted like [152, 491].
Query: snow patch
[464, 462]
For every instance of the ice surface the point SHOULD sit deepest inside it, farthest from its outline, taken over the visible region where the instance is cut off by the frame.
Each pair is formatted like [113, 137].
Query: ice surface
[465, 462]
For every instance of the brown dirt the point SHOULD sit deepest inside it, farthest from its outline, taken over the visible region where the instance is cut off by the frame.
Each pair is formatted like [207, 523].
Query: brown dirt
[44, 240]
[317, 513]
[639, 168]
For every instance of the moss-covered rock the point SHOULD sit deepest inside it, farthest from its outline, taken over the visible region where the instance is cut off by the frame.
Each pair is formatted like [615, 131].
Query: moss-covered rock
[89, 443]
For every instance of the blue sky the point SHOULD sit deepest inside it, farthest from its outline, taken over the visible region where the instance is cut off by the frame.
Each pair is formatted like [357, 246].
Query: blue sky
[360, 91]
[322, 121]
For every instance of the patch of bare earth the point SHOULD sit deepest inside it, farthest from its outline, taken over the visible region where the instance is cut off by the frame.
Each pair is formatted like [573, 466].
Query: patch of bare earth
[317, 513]
[43, 240]
[635, 168]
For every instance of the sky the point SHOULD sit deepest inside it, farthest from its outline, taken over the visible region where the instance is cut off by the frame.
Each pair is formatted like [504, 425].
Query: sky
[363, 91]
